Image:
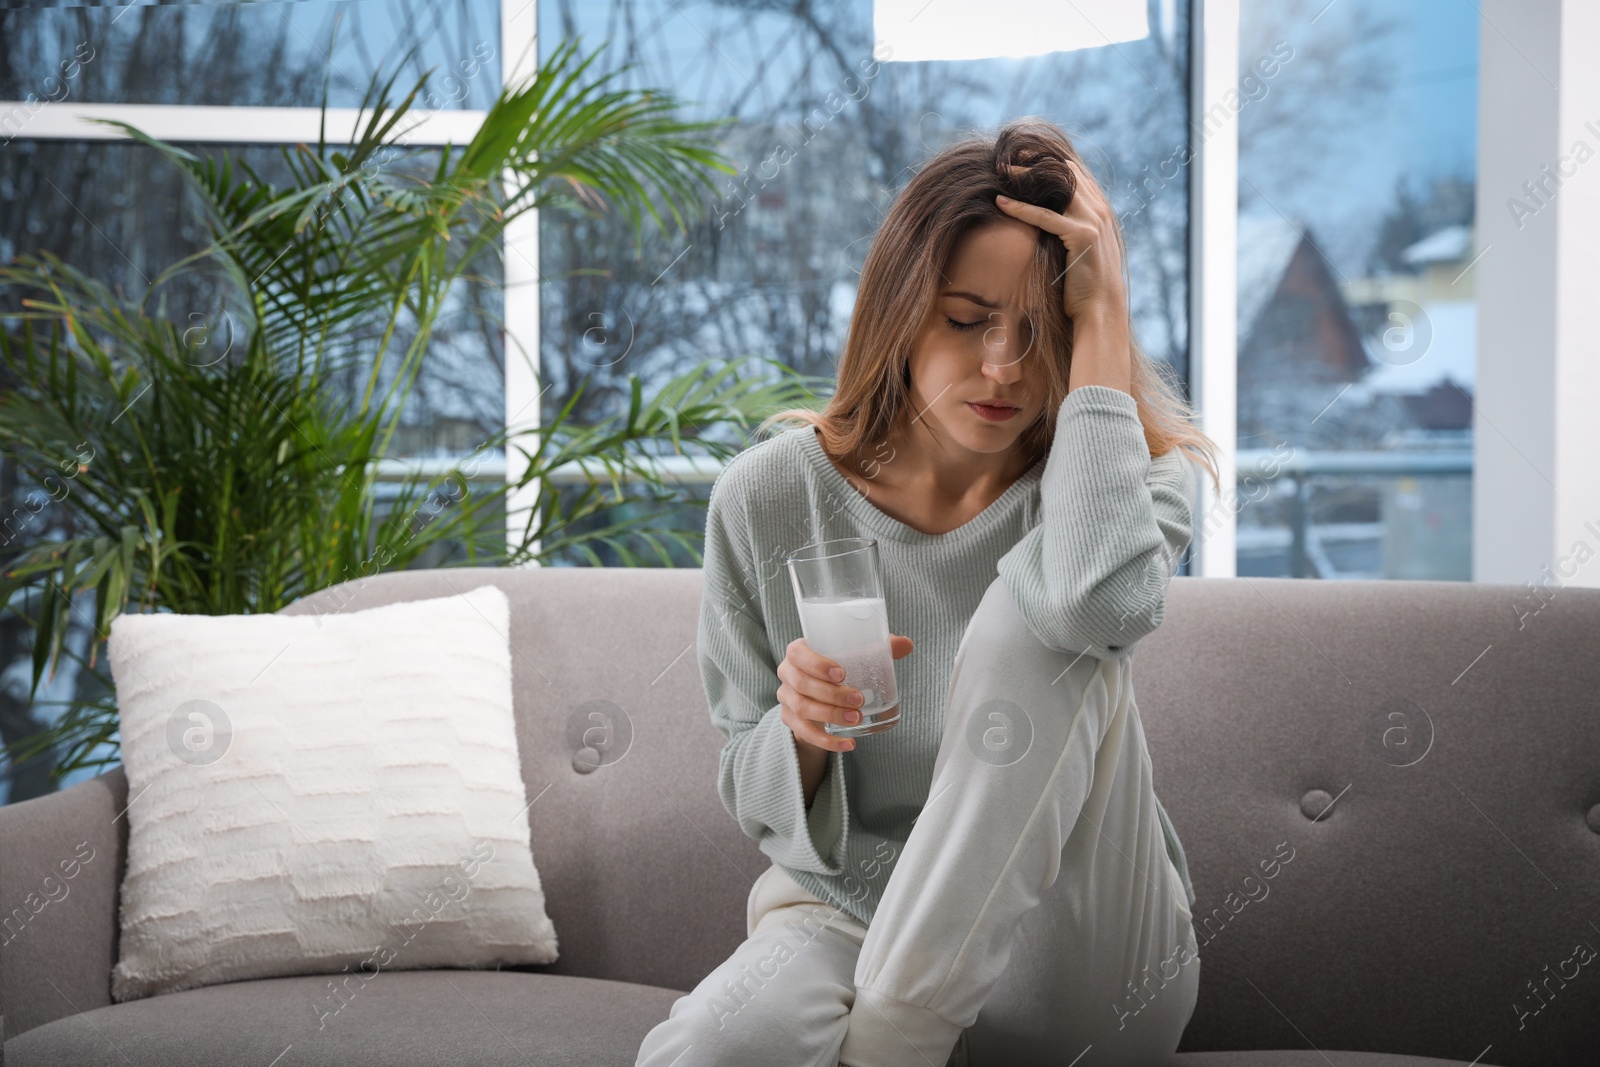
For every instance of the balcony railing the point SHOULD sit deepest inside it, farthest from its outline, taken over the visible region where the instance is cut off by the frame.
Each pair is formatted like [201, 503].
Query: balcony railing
[1301, 468]
[688, 469]
[1253, 466]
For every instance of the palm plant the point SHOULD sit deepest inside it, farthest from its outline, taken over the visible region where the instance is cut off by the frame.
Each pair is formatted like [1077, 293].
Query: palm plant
[236, 481]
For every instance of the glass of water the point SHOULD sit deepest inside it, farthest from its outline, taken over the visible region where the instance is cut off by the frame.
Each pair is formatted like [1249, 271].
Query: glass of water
[838, 588]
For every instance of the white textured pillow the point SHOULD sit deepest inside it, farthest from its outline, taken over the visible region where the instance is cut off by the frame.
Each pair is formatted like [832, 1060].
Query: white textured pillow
[311, 794]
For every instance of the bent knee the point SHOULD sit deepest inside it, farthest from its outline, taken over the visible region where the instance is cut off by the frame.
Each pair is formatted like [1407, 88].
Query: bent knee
[712, 1036]
[1000, 649]
[999, 623]
[738, 1025]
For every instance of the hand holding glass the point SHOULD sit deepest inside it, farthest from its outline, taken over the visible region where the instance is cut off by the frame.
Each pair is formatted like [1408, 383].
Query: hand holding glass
[838, 589]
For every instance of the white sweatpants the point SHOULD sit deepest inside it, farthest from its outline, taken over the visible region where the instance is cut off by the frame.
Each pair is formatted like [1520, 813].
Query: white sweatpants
[1032, 918]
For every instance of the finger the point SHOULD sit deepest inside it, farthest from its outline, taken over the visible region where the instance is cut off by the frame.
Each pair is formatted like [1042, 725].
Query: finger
[1085, 212]
[900, 646]
[826, 692]
[1042, 217]
[1089, 200]
[823, 739]
[1078, 233]
[1085, 179]
[822, 711]
[814, 662]
[811, 731]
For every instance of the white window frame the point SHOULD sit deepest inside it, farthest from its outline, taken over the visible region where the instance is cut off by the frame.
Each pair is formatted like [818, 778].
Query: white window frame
[519, 36]
[1213, 279]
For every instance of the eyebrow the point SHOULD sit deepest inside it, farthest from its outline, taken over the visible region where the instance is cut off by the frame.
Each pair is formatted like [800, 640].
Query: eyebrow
[974, 297]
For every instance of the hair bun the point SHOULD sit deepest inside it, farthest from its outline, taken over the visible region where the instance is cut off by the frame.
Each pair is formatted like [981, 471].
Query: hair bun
[1030, 159]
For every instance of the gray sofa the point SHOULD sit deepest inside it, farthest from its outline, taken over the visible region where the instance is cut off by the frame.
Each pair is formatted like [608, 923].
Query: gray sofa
[1427, 752]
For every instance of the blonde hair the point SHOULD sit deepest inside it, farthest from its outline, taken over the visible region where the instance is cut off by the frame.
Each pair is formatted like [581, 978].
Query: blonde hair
[900, 281]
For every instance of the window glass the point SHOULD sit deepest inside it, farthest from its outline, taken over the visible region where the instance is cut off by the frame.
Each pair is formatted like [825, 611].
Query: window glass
[122, 213]
[1356, 328]
[276, 55]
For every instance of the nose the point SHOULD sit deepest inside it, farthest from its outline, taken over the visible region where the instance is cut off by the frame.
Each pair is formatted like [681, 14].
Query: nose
[1003, 352]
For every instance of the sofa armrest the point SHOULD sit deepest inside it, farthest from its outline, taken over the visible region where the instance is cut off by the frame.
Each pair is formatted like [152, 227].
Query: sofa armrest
[60, 880]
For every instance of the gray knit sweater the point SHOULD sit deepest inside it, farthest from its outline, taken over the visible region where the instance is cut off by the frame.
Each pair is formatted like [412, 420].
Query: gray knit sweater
[1086, 541]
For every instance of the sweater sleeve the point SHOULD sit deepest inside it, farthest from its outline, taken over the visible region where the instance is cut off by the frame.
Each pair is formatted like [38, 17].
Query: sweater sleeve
[1091, 576]
[759, 769]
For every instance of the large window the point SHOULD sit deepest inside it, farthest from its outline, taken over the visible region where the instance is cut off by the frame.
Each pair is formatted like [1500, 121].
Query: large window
[1357, 149]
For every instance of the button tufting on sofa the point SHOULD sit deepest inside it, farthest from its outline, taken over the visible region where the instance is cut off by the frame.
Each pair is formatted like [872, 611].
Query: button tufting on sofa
[1315, 804]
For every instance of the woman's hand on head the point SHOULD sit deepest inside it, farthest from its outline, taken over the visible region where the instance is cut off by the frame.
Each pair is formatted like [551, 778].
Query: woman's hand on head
[813, 693]
[1088, 229]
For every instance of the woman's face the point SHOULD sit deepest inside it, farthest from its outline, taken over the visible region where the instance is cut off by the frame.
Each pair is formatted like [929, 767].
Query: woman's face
[977, 344]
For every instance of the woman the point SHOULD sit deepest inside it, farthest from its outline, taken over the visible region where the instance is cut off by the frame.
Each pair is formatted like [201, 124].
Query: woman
[1001, 848]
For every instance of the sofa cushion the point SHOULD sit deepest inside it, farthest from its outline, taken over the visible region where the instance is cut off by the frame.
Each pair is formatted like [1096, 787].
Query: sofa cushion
[439, 1018]
[317, 794]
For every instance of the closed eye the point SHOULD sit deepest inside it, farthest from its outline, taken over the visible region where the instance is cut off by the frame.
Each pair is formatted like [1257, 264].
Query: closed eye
[957, 324]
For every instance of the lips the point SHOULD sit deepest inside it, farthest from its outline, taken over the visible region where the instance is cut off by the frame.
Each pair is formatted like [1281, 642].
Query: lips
[993, 412]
